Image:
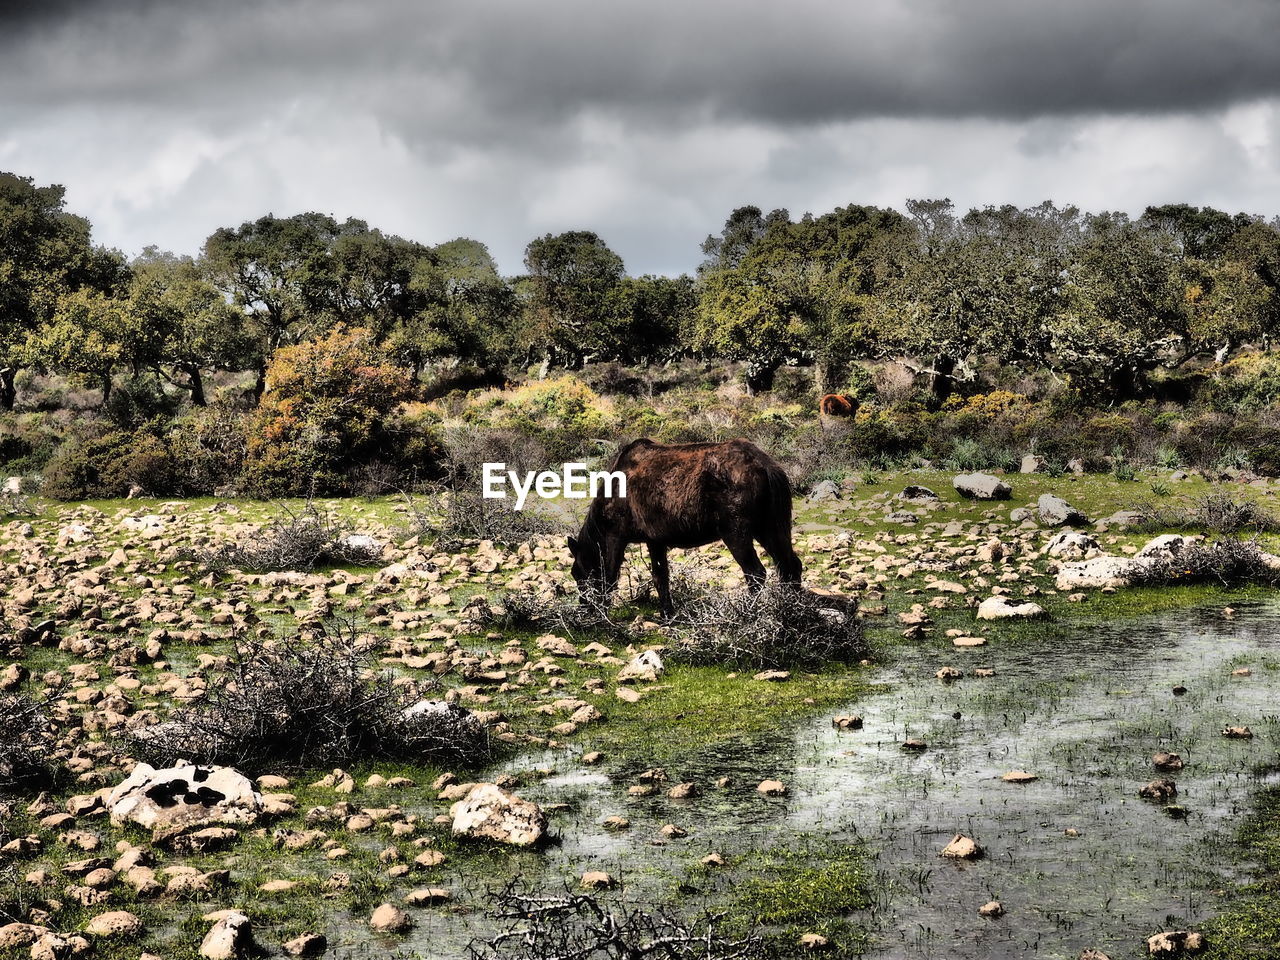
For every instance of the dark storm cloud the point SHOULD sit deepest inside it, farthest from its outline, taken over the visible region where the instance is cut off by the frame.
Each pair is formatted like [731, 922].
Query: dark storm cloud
[795, 63]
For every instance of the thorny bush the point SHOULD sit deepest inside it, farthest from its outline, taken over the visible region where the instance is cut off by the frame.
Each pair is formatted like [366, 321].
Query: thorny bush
[1218, 512]
[25, 742]
[780, 625]
[1228, 561]
[580, 927]
[300, 539]
[315, 699]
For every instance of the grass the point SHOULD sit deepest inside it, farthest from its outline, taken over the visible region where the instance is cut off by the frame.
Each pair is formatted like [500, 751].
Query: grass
[1249, 925]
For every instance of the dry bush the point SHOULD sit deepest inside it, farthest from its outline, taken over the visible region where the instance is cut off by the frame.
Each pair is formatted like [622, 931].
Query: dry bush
[301, 539]
[778, 626]
[25, 742]
[1217, 512]
[450, 519]
[578, 926]
[1228, 561]
[313, 700]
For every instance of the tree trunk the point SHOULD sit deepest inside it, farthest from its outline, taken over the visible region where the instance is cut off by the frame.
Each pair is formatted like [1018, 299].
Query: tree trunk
[260, 385]
[941, 383]
[196, 386]
[106, 389]
[8, 392]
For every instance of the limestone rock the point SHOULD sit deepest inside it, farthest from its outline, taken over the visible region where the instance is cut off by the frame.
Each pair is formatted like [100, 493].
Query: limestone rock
[490, 812]
[1056, 512]
[982, 486]
[184, 796]
[1105, 571]
[962, 848]
[1002, 608]
[230, 938]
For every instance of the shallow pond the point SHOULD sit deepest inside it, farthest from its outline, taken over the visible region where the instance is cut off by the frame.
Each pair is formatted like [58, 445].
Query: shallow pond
[1083, 710]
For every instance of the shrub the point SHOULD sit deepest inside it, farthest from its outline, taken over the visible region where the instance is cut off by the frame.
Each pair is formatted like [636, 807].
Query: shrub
[138, 401]
[777, 626]
[579, 926]
[313, 700]
[25, 742]
[326, 410]
[452, 517]
[293, 540]
[1219, 512]
[209, 442]
[109, 466]
[1228, 562]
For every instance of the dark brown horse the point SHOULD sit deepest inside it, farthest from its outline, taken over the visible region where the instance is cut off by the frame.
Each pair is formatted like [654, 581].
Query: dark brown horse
[688, 495]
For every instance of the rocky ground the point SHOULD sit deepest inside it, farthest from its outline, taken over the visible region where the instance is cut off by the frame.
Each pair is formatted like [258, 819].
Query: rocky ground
[113, 618]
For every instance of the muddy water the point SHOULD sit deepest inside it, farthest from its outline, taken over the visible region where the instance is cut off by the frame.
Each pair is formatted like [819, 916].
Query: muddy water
[1083, 711]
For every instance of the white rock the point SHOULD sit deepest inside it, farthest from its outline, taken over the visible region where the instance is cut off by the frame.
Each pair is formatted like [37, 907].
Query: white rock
[490, 812]
[982, 486]
[1072, 545]
[1002, 608]
[1105, 571]
[647, 665]
[183, 796]
[231, 937]
[1055, 511]
[1167, 546]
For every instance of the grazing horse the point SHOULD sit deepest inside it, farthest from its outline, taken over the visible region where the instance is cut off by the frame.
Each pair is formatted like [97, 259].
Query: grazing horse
[838, 405]
[688, 495]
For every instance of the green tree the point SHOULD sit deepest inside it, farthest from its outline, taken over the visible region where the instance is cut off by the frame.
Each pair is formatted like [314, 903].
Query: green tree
[573, 277]
[193, 330]
[45, 253]
[281, 273]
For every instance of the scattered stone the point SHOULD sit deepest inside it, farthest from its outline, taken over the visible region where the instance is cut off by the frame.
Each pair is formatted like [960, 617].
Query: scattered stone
[913, 493]
[772, 788]
[388, 918]
[914, 745]
[647, 666]
[773, 676]
[949, 673]
[1176, 943]
[1072, 545]
[962, 848]
[177, 798]
[307, 945]
[1167, 761]
[969, 641]
[1238, 733]
[230, 938]
[824, 490]
[853, 722]
[428, 896]
[992, 908]
[115, 923]
[1102, 571]
[597, 880]
[1159, 790]
[814, 942]
[683, 791]
[1019, 776]
[1033, 464]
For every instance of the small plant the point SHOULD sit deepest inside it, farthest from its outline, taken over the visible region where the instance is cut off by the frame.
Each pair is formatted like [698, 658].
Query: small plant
[14, 504]
[869, 477]
[777, 626]
[1167, 458]
[1160, 488]
[1122, 469]
[312, 700]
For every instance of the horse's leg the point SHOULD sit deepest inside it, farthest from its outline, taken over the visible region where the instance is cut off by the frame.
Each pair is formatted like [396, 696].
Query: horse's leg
[615, 550]
[783, 556]
[743, 549]
[661, 578]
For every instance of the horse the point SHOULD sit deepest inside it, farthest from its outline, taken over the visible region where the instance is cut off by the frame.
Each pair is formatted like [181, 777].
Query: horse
[838, 405]
[688, 495]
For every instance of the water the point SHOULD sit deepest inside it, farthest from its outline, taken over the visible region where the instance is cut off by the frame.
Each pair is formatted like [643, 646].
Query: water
[1083, 710]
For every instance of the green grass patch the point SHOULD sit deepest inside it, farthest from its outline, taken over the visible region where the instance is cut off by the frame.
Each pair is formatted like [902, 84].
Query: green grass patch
[1249, 925]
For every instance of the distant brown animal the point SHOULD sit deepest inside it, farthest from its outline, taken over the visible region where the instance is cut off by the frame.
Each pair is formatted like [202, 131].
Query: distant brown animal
[687, 495]
[838, 405]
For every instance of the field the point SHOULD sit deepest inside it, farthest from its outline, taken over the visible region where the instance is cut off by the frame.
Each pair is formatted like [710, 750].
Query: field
[121, 615]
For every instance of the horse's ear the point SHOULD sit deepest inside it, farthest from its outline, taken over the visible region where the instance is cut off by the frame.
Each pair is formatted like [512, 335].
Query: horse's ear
[573, 545]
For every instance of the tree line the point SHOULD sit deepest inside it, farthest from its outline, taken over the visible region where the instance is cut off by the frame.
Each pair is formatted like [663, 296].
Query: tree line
[1100, 298]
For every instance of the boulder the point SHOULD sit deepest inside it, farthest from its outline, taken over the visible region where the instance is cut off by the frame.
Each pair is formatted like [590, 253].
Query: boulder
[1168, 546]
[824, 490]
[180, 797]
[643, 666]
[115, 923]
[307, 945]
[982, 486]
[1033, 464]
[12, 486]
[492, 813]
[1176, 943]
[388, 918]
[361, 543]
[962, 848]
[1057, 512]
[230, 938]
[1002, 608]
[914, 493]
[1105, 571]
[1072, 545]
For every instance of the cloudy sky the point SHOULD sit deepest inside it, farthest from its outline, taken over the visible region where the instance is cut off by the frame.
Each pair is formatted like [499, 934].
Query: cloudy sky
[644, 121]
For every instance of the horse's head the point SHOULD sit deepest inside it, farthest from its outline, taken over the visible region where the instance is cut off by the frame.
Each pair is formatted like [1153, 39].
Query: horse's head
[588, 564]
